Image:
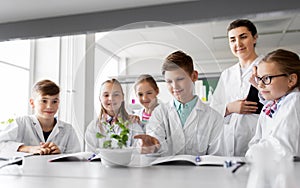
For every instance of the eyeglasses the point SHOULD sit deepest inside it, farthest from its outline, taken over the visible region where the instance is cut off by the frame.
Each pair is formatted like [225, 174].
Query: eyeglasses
[266, 80]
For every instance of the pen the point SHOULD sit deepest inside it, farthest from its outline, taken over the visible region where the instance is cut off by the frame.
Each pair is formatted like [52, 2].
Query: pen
[91, 157]
[229, 163]
[240, 164]
[197, 159]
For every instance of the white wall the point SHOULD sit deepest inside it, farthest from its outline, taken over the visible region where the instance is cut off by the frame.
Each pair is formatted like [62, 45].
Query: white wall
[46, 59]
[105, 67]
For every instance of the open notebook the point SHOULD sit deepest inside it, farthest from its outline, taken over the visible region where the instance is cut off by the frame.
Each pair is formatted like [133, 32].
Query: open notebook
[79, 156]
[12, 158]
[5, 156]
[205, 160]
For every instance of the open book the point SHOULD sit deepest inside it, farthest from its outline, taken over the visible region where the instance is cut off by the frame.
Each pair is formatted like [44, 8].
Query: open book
[79, 156]
[5, 156]
[12, 158]
[205, 160]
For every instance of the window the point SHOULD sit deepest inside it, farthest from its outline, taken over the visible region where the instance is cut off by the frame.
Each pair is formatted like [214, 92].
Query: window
[14, 78]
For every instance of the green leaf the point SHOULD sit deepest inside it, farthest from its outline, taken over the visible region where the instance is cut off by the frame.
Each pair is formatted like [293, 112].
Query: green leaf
[126, 131]
[122, 126]
[121, 120]
[107, 144]
[115, 136]
[124, 138]
[99, 135]
[123, 133]
[121, 138]
[120, 144]
[10, 120]
[126, 123]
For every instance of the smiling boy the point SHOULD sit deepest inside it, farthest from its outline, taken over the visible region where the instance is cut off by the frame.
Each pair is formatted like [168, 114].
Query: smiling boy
[41, 133]
[185, 125]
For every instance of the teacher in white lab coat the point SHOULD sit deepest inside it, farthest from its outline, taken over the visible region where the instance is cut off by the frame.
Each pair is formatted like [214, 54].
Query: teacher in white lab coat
[234, 97]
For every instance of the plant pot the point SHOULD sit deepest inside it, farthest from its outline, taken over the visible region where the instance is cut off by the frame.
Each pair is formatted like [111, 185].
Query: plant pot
[115, 157]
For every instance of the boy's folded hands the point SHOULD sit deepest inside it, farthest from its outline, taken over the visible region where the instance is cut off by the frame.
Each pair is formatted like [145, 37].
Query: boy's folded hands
[45, 148]
[54, 149]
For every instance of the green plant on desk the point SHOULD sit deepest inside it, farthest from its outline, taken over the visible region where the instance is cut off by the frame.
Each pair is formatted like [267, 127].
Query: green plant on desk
[4, 124]
[9, 121]
[121, 138]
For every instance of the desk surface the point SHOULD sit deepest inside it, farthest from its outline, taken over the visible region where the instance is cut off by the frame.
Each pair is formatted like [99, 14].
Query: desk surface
[38, 172]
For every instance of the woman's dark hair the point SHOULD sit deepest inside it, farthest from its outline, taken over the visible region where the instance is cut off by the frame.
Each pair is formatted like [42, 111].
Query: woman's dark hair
[243, 23]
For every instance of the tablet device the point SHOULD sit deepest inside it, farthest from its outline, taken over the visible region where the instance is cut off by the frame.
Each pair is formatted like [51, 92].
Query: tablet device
[253, 96]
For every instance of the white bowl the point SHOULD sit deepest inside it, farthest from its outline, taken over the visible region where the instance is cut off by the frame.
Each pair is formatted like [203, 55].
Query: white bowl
[115, 157]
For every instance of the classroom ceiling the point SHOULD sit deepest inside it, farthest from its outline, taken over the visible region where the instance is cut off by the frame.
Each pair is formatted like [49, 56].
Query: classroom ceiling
[20, 10]
[204, 40]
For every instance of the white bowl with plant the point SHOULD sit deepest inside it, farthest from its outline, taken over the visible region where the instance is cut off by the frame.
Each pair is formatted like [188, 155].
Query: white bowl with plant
[115, 151]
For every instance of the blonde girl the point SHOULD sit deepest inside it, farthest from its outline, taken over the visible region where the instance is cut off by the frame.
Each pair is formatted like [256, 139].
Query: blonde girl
[112, 109]
[278, 125]
[146, 91]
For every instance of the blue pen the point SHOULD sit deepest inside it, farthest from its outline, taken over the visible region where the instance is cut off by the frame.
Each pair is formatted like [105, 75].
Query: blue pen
[91, 157]
[237, 164]
[197, 159]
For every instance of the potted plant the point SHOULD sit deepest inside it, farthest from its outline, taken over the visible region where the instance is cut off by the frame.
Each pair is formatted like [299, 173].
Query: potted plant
[5, 123]
[114, 151]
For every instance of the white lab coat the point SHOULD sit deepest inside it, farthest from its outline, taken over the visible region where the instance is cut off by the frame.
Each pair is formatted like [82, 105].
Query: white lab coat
[201, 134]
[140, 114]
[93, 143]
[26, 130]
[282, 132]
[238, 128]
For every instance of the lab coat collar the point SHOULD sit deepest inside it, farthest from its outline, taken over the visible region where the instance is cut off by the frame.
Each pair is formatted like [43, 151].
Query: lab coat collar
[280, 101]
[236, 73]
[249, 69]
[39, 130]
[178, 104]
[199, 105]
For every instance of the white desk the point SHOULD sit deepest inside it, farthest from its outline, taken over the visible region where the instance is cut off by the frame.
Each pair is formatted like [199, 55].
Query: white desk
[39, 173]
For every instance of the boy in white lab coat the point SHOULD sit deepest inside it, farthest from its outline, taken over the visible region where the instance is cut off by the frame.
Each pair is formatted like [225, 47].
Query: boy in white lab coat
[41, 133]
[185, 125]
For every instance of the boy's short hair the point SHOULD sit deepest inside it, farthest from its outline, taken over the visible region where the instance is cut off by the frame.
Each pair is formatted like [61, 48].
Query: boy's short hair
[177, 60]
[45, 87]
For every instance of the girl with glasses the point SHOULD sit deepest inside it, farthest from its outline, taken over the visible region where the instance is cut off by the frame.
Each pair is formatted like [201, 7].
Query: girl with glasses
[278, 80]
